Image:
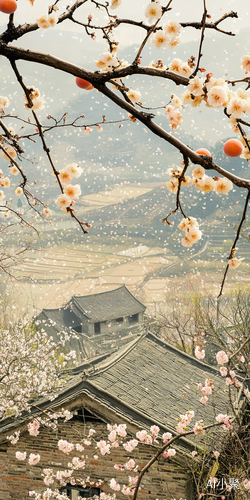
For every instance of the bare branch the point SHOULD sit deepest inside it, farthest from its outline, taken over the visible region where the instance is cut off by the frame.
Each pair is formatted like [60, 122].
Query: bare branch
[235, 242]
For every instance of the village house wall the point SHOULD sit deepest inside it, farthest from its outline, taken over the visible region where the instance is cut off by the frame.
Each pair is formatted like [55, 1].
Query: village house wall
[113, 325]
[165, 480]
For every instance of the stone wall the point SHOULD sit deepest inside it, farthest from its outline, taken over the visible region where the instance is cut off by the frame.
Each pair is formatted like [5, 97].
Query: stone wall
[165, 479]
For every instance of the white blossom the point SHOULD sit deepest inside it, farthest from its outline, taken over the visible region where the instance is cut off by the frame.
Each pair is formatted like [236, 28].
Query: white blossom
[153, 11]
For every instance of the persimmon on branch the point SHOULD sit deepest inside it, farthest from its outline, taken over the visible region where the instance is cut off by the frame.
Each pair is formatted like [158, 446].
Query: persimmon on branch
[112, 70]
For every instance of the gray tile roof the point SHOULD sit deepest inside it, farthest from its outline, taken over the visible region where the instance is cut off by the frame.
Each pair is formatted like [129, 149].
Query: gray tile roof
[108, 305]
[161, 382]
[61, 318]
[146, 382]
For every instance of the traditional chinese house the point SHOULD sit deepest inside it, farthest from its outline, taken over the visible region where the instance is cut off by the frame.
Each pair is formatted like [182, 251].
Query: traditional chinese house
[98, 322]
[145, 382]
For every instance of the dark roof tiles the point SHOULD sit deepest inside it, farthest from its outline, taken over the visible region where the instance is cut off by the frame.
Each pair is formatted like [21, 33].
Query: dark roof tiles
[108, 305]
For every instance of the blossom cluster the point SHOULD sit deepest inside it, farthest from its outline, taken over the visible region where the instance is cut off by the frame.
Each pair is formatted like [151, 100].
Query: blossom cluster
[38, 102]
[148, 437]
[206, 390]
[29, 367]
[215, 92]
[171, 452]
[4, 102]
[174, 116]
[221, 357]
[70, 192]
[206, 184]
[33, 428]
[47, 21]
[199, 353]
[246, 484]
[184, 421]
[225, 419]
[192, 232]
[199, 179]
[33, 459]
[231, 378]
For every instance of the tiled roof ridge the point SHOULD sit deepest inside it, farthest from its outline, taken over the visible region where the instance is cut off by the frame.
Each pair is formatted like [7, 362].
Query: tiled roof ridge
[137, 300]
[55, 309]
[105, 398]
[75, 297]
[195, 361]
[122, 352]
[117, 356]
[100, 293]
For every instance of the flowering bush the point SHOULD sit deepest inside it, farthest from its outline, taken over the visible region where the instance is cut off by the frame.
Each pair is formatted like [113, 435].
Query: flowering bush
[30, 363]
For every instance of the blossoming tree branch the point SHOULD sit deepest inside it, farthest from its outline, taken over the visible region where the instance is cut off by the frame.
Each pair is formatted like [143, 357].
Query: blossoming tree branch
[108, 77]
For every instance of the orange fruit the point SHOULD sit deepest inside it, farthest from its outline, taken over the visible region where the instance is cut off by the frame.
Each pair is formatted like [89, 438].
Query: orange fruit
[233, 148]
[203, 151]
[8, 6]
[83, 84]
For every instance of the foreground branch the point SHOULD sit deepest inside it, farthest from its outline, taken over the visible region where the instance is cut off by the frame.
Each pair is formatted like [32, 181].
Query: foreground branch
[232, 252]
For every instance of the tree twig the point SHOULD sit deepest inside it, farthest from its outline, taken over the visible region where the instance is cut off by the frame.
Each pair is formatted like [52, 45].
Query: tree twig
[235, 241]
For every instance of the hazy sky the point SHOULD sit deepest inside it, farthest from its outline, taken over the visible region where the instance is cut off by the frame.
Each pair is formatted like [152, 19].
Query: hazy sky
[182, 10]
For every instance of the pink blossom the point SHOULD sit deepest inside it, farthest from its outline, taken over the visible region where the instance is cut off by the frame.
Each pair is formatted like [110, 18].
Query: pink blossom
[198, 427]
[224, 419]
[111, 427]
[104, 447]
[166, 437]
[14, 439]
[121, 430]
[65, 446]
[34, 459]
[155, 430]
[33, 428]
[221, 357]
[200, 354]
[216, 454]
[127, 490]
[204, 400]
[21, 456]
[169, 453]
[223, 371]
[195, 86]
[79, 447]
[141, 435]
[206, 391]
[246, 484]
[87, 442]
[130, 464]
[114, 485]
[181, 427]
[130, 445]
[209, 383]
[112, 436]
[133, 480]
[48, 481]
[194, 453]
